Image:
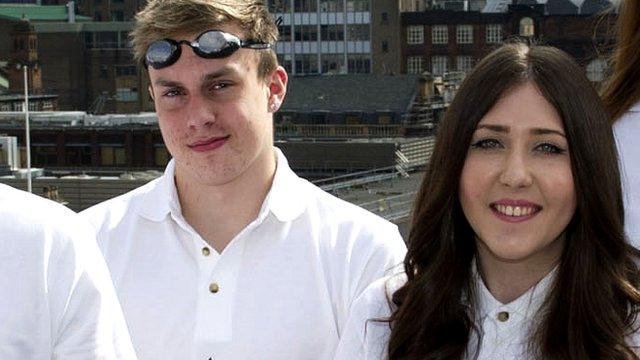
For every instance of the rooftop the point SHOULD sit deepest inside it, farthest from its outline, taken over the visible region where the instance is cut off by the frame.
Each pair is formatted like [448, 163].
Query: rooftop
[37, 13]
[351, 93]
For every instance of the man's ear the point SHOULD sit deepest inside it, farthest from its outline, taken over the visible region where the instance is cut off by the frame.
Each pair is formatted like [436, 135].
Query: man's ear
[151, 93]
[277, 83]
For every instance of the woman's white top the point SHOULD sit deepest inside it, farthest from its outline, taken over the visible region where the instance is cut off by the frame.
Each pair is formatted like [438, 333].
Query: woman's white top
[504, 327]
[627, 133]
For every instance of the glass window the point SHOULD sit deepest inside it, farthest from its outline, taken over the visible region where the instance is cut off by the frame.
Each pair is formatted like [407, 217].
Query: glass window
[493, 34]
[333, 63]
[306, 64]
[127, 94]
[464, 34]
[439, 34]
[161, 155]
[359, 63]
[596, 70]
[464, 63]
[284, 32]
[439, 65]
[415, 34]
[358, 32]
[527, 27]
[112, 155]
[306, 32]
[305, 6]
[331, 33]
[357, 5]
[415, 64]
[331, 6]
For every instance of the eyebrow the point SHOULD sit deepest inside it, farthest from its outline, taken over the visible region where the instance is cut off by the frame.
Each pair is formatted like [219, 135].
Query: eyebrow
[207, 78]
[534, 131]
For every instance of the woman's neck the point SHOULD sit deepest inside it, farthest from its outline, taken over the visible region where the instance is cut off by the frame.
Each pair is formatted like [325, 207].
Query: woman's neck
[508, 280]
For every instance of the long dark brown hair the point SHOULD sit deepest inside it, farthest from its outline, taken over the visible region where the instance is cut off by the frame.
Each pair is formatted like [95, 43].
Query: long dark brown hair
[593, 302]
[622, 90]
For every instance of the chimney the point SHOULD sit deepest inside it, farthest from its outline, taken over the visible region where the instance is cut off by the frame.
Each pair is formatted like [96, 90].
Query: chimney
[71, 12]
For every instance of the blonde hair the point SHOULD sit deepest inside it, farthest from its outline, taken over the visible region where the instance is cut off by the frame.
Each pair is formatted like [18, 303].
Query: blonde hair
[166, 18]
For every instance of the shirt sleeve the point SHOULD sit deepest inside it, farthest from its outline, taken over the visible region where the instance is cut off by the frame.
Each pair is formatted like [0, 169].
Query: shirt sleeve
[88, 320]
[366, 333]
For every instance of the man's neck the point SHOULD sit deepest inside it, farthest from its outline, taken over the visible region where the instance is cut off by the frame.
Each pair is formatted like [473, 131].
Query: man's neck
[219, 212]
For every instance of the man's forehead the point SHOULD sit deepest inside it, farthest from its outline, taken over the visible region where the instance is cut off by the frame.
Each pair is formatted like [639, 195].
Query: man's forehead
[191, 34]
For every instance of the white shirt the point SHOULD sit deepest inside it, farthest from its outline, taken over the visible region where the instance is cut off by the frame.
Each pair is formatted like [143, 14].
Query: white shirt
[505, 327]
[56, 298]
[627, 133]
[284, 283]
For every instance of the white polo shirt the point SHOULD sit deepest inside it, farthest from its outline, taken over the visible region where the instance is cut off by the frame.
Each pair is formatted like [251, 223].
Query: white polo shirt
[505, 327]
[56, 298]
[280, 290]
[627, 132]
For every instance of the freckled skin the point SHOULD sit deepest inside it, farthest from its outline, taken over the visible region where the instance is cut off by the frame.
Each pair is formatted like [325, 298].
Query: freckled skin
[519, 165]
[235, 104]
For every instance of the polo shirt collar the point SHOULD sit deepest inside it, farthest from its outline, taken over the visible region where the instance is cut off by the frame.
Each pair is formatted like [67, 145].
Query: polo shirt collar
[635, 108]
[162, 199]
[286, 198]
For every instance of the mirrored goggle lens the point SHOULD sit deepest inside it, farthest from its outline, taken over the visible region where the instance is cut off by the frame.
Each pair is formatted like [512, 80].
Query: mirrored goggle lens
[159, 52]
[212, 42]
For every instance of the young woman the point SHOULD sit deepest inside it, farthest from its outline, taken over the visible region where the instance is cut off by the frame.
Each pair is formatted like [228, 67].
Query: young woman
[517, 248]
[622, 98]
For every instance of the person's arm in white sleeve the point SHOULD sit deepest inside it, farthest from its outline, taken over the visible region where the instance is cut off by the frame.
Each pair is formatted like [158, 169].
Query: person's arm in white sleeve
[87, 317]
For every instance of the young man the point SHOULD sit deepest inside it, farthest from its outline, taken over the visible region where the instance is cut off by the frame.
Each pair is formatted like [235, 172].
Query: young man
[230, 255]
[56, 297]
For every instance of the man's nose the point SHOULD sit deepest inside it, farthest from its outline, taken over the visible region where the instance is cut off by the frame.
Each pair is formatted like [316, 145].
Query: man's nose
[200, 114]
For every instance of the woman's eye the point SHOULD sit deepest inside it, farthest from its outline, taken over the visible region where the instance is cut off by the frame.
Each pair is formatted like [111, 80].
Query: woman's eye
[487, 144]
[548, 148]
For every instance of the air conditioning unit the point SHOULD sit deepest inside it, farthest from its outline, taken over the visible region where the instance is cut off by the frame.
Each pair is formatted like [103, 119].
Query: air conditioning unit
[9, 154]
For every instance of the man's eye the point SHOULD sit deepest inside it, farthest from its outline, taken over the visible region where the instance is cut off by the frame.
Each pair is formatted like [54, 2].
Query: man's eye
[220, 86]
[485, 144]
[172, 93]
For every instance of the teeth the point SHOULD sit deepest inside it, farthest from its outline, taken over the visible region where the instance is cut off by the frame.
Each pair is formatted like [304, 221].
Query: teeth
[515, 210]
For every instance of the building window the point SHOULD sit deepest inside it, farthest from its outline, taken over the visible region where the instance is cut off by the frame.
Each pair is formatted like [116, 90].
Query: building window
[384, 18]
[357, 5]
[127, 94]
[464, 63]
[331, 33]
[415, 34]
[415, 64]
[527, 27]
[126, 70]
[330, 5]
[359, 64]
[358, 32]
[332, 63]
[385, 46]
[464, 34]
[305, 6]
[306, 33]
[493, 34]
[306, 64]
[439, 34]
[284, 32]
[112, 155]
[161, 156]
[596, 70]
[439, 65]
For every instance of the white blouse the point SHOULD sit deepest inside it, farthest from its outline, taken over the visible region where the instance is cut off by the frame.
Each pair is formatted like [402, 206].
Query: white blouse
[627, 133]
[504, 327]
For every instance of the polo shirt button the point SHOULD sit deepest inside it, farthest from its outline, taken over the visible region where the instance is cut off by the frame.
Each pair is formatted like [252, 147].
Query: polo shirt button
[206, 251]
[214, 288]
[503, 316]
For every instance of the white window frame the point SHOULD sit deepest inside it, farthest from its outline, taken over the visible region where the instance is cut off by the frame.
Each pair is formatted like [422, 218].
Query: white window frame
[464, 34]
[493, 34]
[439, 34]
[415, 64]
[439, 65]
[415, 34]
